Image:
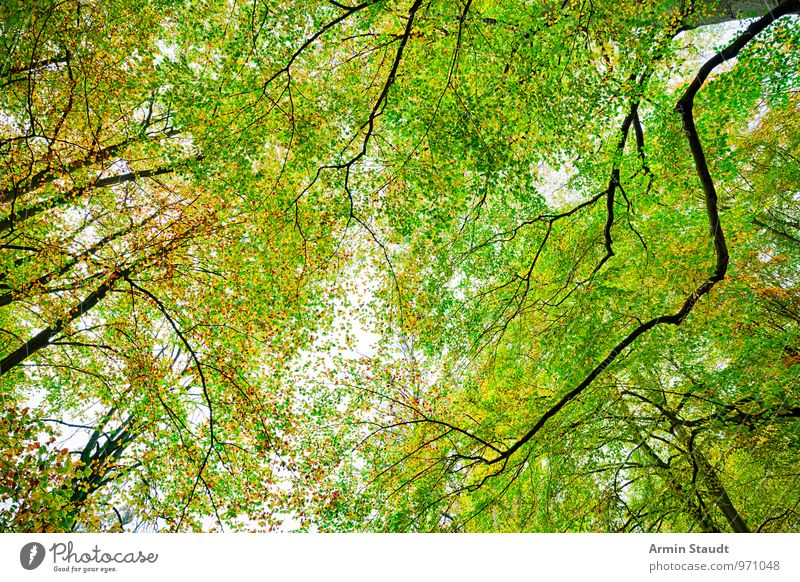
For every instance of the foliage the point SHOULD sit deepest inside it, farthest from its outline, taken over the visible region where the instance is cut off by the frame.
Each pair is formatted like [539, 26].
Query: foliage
[399, 266]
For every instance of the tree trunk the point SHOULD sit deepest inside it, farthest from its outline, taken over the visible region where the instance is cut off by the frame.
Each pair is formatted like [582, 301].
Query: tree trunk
[731, 10]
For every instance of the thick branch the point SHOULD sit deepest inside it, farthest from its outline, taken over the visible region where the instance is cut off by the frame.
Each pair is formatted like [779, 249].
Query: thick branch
[10, 296]
[349, 11]
[42, 339]
[48, 174]
[75, 193]
[721, 264]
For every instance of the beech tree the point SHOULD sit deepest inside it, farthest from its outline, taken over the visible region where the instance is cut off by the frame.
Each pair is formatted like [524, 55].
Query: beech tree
[570, 227]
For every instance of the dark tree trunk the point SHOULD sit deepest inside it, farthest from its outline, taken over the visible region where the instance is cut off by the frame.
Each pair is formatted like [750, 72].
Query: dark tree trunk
[730, 10]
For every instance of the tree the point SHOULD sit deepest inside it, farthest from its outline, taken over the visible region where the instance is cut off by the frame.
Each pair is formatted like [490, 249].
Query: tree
[142, 296]
[198, 198]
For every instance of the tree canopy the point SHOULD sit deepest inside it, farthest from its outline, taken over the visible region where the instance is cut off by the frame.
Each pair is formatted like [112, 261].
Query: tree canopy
[400, 265]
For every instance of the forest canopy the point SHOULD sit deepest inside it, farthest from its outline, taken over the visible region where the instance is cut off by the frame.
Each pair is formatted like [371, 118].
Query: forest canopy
[400, 265]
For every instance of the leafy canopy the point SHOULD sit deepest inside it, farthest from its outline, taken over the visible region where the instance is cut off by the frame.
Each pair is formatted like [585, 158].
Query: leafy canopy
[399, 265]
